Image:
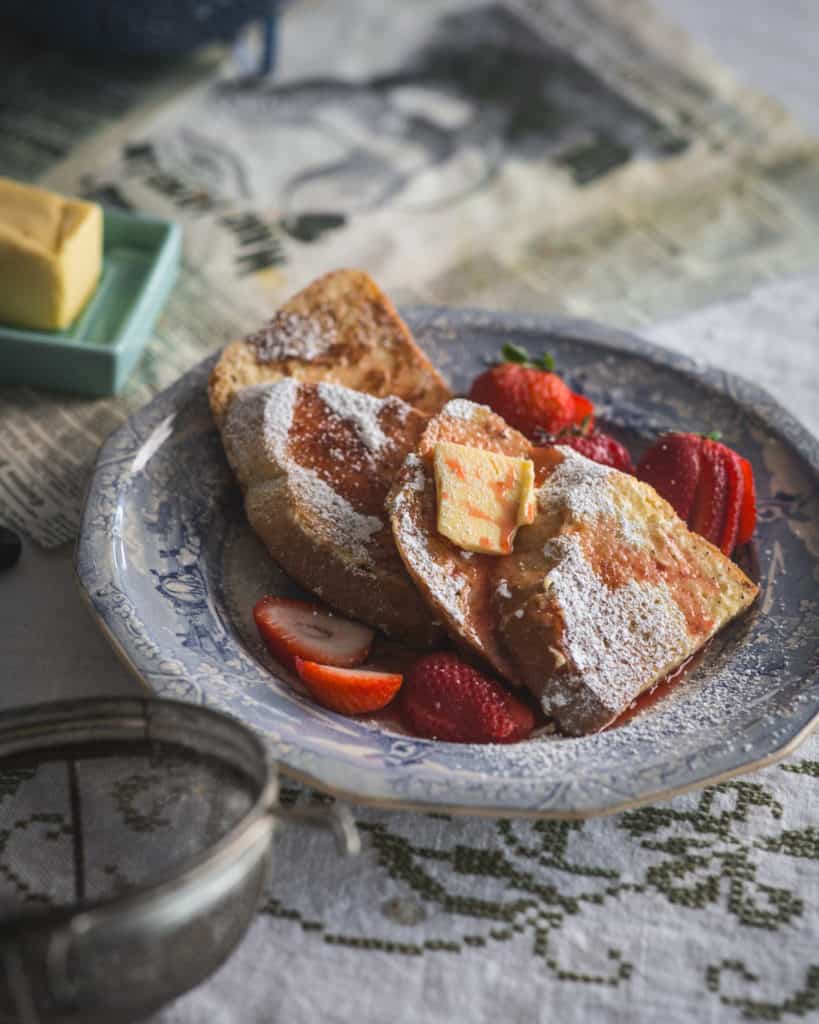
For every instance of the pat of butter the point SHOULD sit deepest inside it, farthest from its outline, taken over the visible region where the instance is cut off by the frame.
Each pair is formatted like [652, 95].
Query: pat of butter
[50, 256]
[483, 497]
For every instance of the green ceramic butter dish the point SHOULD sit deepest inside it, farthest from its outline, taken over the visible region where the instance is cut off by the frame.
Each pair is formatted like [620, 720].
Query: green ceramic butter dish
[97, 353]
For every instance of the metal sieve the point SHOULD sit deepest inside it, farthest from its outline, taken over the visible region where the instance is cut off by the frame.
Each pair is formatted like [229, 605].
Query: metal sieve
[135, 845]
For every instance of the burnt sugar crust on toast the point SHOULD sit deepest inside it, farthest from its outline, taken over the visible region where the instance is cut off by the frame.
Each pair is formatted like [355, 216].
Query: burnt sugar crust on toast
[341, 328]
[605, 593]
[315, 462]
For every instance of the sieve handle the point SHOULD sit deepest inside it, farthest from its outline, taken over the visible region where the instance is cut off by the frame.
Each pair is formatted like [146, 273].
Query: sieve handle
[338, 818]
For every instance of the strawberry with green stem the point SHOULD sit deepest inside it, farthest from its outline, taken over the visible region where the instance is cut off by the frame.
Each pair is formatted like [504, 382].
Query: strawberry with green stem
[528, 394]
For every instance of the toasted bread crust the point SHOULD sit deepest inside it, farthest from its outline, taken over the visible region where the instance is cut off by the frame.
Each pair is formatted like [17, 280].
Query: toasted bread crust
[341, 328]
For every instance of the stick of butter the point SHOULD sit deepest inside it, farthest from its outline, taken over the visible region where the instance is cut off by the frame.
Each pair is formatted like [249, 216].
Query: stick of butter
[483, 497]
[50, 256]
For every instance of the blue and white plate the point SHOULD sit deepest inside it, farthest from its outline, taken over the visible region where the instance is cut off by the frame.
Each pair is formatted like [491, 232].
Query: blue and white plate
[172, 570]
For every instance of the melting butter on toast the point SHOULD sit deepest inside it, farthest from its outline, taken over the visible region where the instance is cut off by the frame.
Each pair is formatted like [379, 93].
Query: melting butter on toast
[604, 594]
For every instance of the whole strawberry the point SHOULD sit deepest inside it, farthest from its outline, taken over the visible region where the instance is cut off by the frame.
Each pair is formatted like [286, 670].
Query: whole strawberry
[528, 395]
[444, 698]
[708, 484]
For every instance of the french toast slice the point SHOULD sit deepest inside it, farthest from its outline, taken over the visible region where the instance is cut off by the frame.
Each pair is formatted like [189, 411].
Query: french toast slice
[341, 328]
[606, 593]
[315, 462]
[457, 584]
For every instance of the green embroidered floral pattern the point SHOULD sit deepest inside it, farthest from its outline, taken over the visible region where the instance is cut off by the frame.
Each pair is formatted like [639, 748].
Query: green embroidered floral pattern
[799, 1004]
[576, 900]
[803, 768]
[711, 852]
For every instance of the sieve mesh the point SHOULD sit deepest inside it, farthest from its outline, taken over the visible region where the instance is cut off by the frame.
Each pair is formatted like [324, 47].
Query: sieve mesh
[86, 822]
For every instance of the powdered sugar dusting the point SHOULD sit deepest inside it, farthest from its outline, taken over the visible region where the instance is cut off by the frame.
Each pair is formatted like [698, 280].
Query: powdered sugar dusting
[461, 408]
[359, 409]
[349, 531]
[581, 491]
[418, 481]
[262, 416]
[293, 336]
[279, 404]
[447, 588]
[609, 631]
[259, 416]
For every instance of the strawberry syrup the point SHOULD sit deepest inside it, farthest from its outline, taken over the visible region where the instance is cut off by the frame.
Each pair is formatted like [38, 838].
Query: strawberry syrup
[648, 698]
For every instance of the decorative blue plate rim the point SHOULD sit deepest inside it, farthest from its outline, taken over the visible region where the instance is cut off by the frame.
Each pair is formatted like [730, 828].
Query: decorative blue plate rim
[167, 564]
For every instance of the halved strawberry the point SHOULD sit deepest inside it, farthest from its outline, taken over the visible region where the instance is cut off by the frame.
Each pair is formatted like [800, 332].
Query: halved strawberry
[708, 511]
[734, 499]
[444, 698]
[350, 691]
[299, 629]
[747, 517]
[672, 467]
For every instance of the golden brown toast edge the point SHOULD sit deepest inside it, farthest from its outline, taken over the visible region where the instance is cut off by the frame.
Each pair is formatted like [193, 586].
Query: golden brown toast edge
[371, 348]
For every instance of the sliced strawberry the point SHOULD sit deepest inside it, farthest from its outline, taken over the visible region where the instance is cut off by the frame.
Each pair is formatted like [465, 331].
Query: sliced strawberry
[350, 691]
[747, 517]
[444, 698]
[709, 485]
[672, 467]
[708, 511]
[299, 629]
[735, 494]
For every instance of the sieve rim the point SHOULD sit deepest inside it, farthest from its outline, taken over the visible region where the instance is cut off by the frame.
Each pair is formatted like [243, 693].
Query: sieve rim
[93, 720]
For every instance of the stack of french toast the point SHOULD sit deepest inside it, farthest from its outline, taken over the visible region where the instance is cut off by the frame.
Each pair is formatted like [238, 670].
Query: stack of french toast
[433, 520]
